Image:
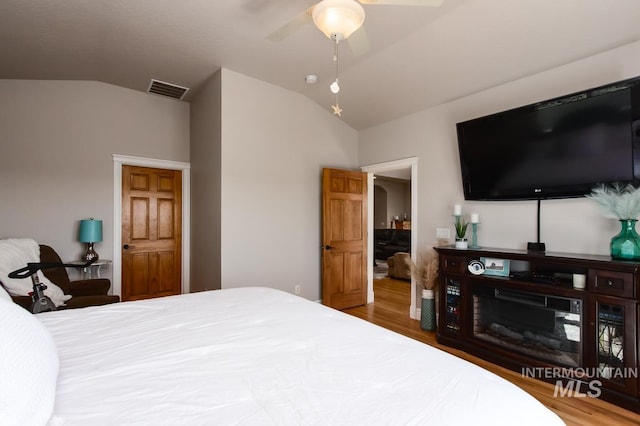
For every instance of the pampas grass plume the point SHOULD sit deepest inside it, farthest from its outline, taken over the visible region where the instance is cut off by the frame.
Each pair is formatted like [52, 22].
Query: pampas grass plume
[424, 269]
[618, 201]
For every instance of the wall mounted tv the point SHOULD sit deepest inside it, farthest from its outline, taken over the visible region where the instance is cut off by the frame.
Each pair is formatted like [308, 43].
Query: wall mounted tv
[559, 148]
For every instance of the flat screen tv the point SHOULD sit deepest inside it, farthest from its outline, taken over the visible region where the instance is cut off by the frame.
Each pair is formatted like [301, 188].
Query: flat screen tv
[559, 148]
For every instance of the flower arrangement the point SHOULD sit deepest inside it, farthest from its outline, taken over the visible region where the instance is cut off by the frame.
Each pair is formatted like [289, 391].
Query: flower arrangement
[618, 201]
[424, 269]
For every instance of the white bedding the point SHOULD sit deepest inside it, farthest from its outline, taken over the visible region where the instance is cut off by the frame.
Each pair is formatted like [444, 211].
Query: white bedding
[257, 356]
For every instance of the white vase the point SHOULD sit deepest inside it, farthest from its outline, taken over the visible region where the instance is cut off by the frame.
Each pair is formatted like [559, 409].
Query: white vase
[428, 294]
[461, 243]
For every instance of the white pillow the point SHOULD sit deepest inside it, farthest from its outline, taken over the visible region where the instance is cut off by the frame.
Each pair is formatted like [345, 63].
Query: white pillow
[29, 368]
[4, 295]
[15, 253]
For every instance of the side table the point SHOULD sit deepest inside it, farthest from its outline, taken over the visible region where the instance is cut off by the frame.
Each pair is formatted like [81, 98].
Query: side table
[92, 271]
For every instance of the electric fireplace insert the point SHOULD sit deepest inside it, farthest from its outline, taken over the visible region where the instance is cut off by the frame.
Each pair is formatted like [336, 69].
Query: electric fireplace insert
[541, 326]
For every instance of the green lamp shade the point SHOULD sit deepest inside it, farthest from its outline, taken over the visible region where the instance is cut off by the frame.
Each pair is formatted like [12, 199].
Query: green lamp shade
[90, 231]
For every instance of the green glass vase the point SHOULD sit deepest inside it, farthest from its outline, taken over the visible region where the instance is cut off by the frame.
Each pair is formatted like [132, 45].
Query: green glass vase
[626, 245]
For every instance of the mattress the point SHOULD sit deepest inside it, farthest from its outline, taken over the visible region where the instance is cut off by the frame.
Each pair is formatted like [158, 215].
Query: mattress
[258, 356]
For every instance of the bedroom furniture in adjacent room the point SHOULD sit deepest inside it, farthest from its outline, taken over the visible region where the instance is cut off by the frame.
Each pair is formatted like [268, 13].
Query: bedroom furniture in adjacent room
[399, 266]
[402, 224]
[538, 320]
[389, 241]
[253, 356]
[84, 293]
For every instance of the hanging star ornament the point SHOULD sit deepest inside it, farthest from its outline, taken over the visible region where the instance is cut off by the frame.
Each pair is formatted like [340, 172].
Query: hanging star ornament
[335, 86]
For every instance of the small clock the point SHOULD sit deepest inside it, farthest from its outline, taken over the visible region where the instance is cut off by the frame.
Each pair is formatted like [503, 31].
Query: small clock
[476, 267]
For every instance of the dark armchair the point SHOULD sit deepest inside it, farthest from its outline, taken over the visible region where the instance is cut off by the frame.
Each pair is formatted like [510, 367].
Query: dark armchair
[84, 292]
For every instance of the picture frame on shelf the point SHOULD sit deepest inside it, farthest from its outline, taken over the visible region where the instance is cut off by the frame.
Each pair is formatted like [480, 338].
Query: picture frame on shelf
[496, 267]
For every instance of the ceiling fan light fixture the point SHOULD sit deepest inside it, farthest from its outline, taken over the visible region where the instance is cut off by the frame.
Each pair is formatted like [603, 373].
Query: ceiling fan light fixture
[338, 17]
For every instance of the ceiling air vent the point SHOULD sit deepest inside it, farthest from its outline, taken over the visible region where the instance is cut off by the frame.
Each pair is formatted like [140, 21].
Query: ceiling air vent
[167, 89]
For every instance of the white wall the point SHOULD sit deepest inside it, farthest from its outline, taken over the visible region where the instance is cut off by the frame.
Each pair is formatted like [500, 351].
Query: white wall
[274, 145]
[56, 144]
[572, 225]
[206, 158]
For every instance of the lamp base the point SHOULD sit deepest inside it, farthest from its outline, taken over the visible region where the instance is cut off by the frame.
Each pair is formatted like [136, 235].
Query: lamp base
[90, 253]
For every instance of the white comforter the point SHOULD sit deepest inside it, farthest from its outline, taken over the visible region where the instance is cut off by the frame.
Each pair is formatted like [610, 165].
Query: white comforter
[257, 356]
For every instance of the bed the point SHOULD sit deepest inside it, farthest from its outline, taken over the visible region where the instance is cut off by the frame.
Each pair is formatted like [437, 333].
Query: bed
[248, 356]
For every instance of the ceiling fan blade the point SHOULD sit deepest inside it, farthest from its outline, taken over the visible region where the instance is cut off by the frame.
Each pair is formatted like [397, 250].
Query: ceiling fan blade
[359, 42]
[429, 3]
[292, 26]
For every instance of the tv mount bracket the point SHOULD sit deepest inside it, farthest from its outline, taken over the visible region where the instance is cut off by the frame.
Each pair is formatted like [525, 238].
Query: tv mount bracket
[537, 246]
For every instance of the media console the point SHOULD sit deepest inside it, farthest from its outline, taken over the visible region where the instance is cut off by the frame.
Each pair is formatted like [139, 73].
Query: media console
[534, 321]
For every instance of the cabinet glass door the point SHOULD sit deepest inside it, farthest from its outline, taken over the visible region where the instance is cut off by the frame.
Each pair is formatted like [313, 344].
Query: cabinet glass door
[610, 339]
[616, 343]
[453, 306]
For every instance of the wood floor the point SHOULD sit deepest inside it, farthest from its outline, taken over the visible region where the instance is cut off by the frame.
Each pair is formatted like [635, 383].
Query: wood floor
[391, 311]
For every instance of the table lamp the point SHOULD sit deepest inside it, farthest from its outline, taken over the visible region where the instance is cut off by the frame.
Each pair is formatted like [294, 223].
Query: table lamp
[90, 232]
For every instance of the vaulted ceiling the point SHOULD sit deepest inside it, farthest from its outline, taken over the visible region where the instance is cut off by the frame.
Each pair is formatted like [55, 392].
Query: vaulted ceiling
[419, 56]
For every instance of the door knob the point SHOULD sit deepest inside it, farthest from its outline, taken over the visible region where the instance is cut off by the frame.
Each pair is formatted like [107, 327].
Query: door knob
[126, 246]
[327, 247]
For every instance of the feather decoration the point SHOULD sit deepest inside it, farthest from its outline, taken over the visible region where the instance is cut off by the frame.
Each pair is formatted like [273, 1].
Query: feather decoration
[619, 201]
[425, 269]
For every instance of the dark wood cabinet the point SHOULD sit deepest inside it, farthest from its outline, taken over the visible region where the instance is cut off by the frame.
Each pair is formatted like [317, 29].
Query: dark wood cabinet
[534, 320]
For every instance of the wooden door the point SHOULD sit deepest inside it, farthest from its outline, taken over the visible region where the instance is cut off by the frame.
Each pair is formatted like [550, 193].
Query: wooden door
[344, 238]
[151, 232]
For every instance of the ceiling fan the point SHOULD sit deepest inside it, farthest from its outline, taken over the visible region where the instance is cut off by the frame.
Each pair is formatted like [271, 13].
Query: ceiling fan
[341, 19]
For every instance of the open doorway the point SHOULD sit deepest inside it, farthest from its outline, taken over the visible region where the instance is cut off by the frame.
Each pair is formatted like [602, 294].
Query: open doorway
[392, 206]
[392, 240]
